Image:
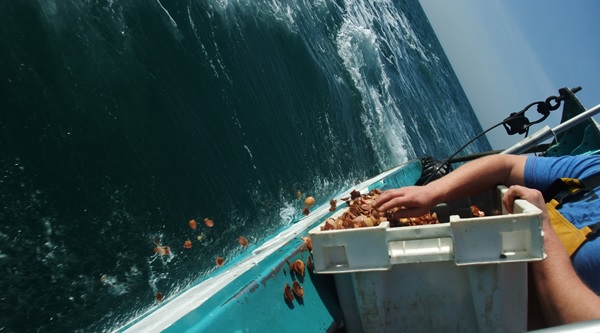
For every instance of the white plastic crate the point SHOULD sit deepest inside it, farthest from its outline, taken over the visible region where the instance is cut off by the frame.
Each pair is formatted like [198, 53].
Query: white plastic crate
[467, 241]
[468, 275]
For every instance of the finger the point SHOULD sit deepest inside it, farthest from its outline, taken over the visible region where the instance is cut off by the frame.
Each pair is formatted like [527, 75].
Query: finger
[391, 203]
[535, 197]
[509, 199]
[384, 201]
[514, 192]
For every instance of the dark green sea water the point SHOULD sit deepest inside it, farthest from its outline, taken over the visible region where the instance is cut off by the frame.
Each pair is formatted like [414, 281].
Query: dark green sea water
[121, 121]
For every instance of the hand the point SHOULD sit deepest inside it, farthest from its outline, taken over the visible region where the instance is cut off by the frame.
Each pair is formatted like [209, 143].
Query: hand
[535, 197]
[413, 201]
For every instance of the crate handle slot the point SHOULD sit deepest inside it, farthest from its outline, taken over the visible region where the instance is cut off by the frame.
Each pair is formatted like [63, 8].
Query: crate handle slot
[423, 244]
[421, 250]
[335, 257]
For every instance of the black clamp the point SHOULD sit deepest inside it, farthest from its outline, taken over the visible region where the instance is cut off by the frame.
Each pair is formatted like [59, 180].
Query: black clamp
[518, 123]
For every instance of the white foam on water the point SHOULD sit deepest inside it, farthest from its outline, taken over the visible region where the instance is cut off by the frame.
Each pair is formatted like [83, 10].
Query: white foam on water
[359, 46]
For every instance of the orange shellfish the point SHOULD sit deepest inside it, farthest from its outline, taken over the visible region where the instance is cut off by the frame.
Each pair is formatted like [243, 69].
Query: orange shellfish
[308, 241]
[309, 201]
[162, 250]
[242, 241]
[476, 211]
[298, 290]
[298, 267]
[288, 293]
[209, 223]
[332, 205]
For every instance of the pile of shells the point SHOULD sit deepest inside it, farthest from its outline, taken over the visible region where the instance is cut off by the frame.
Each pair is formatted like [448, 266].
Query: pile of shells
[429, 218]
[360, 214]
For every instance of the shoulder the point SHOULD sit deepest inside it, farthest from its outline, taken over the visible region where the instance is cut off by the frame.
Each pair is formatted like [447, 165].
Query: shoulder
[540, 172]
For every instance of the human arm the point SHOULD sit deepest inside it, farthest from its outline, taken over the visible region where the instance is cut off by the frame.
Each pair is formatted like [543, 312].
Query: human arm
[471, 178]
[563, 296]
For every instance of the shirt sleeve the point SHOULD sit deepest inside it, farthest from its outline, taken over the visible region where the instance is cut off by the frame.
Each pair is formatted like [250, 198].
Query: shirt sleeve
[540, 172]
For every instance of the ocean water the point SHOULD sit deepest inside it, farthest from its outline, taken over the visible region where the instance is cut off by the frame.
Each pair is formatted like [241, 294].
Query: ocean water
[121, 121]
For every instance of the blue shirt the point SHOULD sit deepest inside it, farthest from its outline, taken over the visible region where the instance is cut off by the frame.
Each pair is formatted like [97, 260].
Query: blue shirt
[581, 209]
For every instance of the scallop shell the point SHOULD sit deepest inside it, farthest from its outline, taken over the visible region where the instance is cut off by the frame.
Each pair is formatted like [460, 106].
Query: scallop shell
[308, 241]
[298, 290]
[298, 267]
[209, 223]
[242, 241]
[288, 293]
[309, 201]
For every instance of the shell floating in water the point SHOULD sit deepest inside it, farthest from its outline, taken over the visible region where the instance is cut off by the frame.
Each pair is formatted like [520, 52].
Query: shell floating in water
[192, 224]
[159, 296]
[309, 201]
[209, 223]
[162, 250]
[187, 244]
[242, 241]
[219, 261]
[288, 293]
